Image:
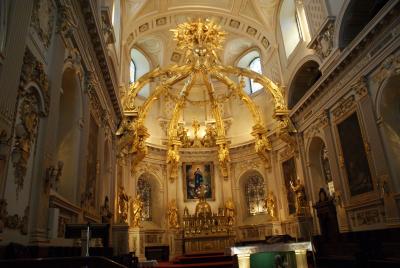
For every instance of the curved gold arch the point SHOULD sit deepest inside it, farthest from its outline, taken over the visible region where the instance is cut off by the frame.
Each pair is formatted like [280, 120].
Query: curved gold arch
[268, 85]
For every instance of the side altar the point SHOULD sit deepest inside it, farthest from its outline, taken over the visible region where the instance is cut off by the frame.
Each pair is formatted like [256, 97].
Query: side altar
[206, 230]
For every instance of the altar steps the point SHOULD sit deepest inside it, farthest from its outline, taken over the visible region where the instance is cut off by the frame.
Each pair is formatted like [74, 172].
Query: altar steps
[215, 259]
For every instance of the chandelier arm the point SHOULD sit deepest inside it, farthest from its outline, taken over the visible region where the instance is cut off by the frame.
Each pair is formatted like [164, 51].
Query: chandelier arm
[179, 105]
[276, 92]
[238, 89]
[135, 88]
[156, 93]
[214, 107]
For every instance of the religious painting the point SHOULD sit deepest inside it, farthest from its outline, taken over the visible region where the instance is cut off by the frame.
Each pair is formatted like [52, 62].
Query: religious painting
[289, 174]
[196, 174]
[354, 156]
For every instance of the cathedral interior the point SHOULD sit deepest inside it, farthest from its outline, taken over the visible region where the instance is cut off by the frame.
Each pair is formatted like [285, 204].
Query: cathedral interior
[199, 133]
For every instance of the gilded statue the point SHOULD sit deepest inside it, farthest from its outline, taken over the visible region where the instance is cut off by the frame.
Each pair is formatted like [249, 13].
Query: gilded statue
[202, 207]
[172, 214]
[126, 135]
[173, 161]
[136, 211]
[224, 159]
[209, 137]
[123, 200]
[196, 140]
[269, 204]
[230, 211]
[301, 200]
[262, 146]
[183, 136]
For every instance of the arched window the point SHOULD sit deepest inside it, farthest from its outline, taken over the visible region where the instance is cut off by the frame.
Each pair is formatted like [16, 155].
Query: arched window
[255, 65]
[139, 65]
[255, 194]
[251, 61]
[132, 72]
[290, 26]
[144, 189]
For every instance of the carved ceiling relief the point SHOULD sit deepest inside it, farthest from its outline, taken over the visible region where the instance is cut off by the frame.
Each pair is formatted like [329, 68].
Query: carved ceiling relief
[43, 20]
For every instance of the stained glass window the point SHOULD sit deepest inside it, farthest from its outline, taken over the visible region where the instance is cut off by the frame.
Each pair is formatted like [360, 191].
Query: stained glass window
[255, 194]
[144, 189]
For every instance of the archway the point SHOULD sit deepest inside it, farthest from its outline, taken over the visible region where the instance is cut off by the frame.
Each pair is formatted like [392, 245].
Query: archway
[303, 80]
[69, 134]
[389, 107]
[357, 15]
[319, 167]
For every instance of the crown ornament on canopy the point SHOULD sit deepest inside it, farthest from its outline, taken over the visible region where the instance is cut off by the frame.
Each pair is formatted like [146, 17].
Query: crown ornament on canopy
[200, 40]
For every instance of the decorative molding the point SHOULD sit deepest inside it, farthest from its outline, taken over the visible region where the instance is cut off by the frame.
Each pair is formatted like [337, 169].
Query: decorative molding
[322, 43]
[349, 64]
[91, 85]
[25, 135]
[344, 106]
[96, 37]
[390, 66]
[43, 20]
[14, 222]
[66, 20]
[33, 71]
[361, 87]
[320, 123]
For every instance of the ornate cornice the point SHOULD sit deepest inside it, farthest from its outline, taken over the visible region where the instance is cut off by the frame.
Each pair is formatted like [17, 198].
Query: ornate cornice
[96, 36]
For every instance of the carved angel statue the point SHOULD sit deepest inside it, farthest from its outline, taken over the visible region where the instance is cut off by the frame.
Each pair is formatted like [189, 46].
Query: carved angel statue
[126, 135]
[173, 161]
[183, 136]
[173, 215]
[224, 159]
[301, 200]
[262, 146]
[230, 211]
[136, 211]
[123, 200]
[196, 140]
[269, 204]
[209, 138]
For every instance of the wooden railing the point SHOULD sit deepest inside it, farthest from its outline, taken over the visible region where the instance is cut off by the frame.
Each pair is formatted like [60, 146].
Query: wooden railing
[63, 262]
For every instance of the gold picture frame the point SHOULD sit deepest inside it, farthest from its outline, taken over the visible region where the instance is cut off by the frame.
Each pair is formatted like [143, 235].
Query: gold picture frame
[193, 175]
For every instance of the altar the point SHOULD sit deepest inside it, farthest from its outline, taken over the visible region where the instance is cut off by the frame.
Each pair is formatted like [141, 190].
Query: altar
[205, 230]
